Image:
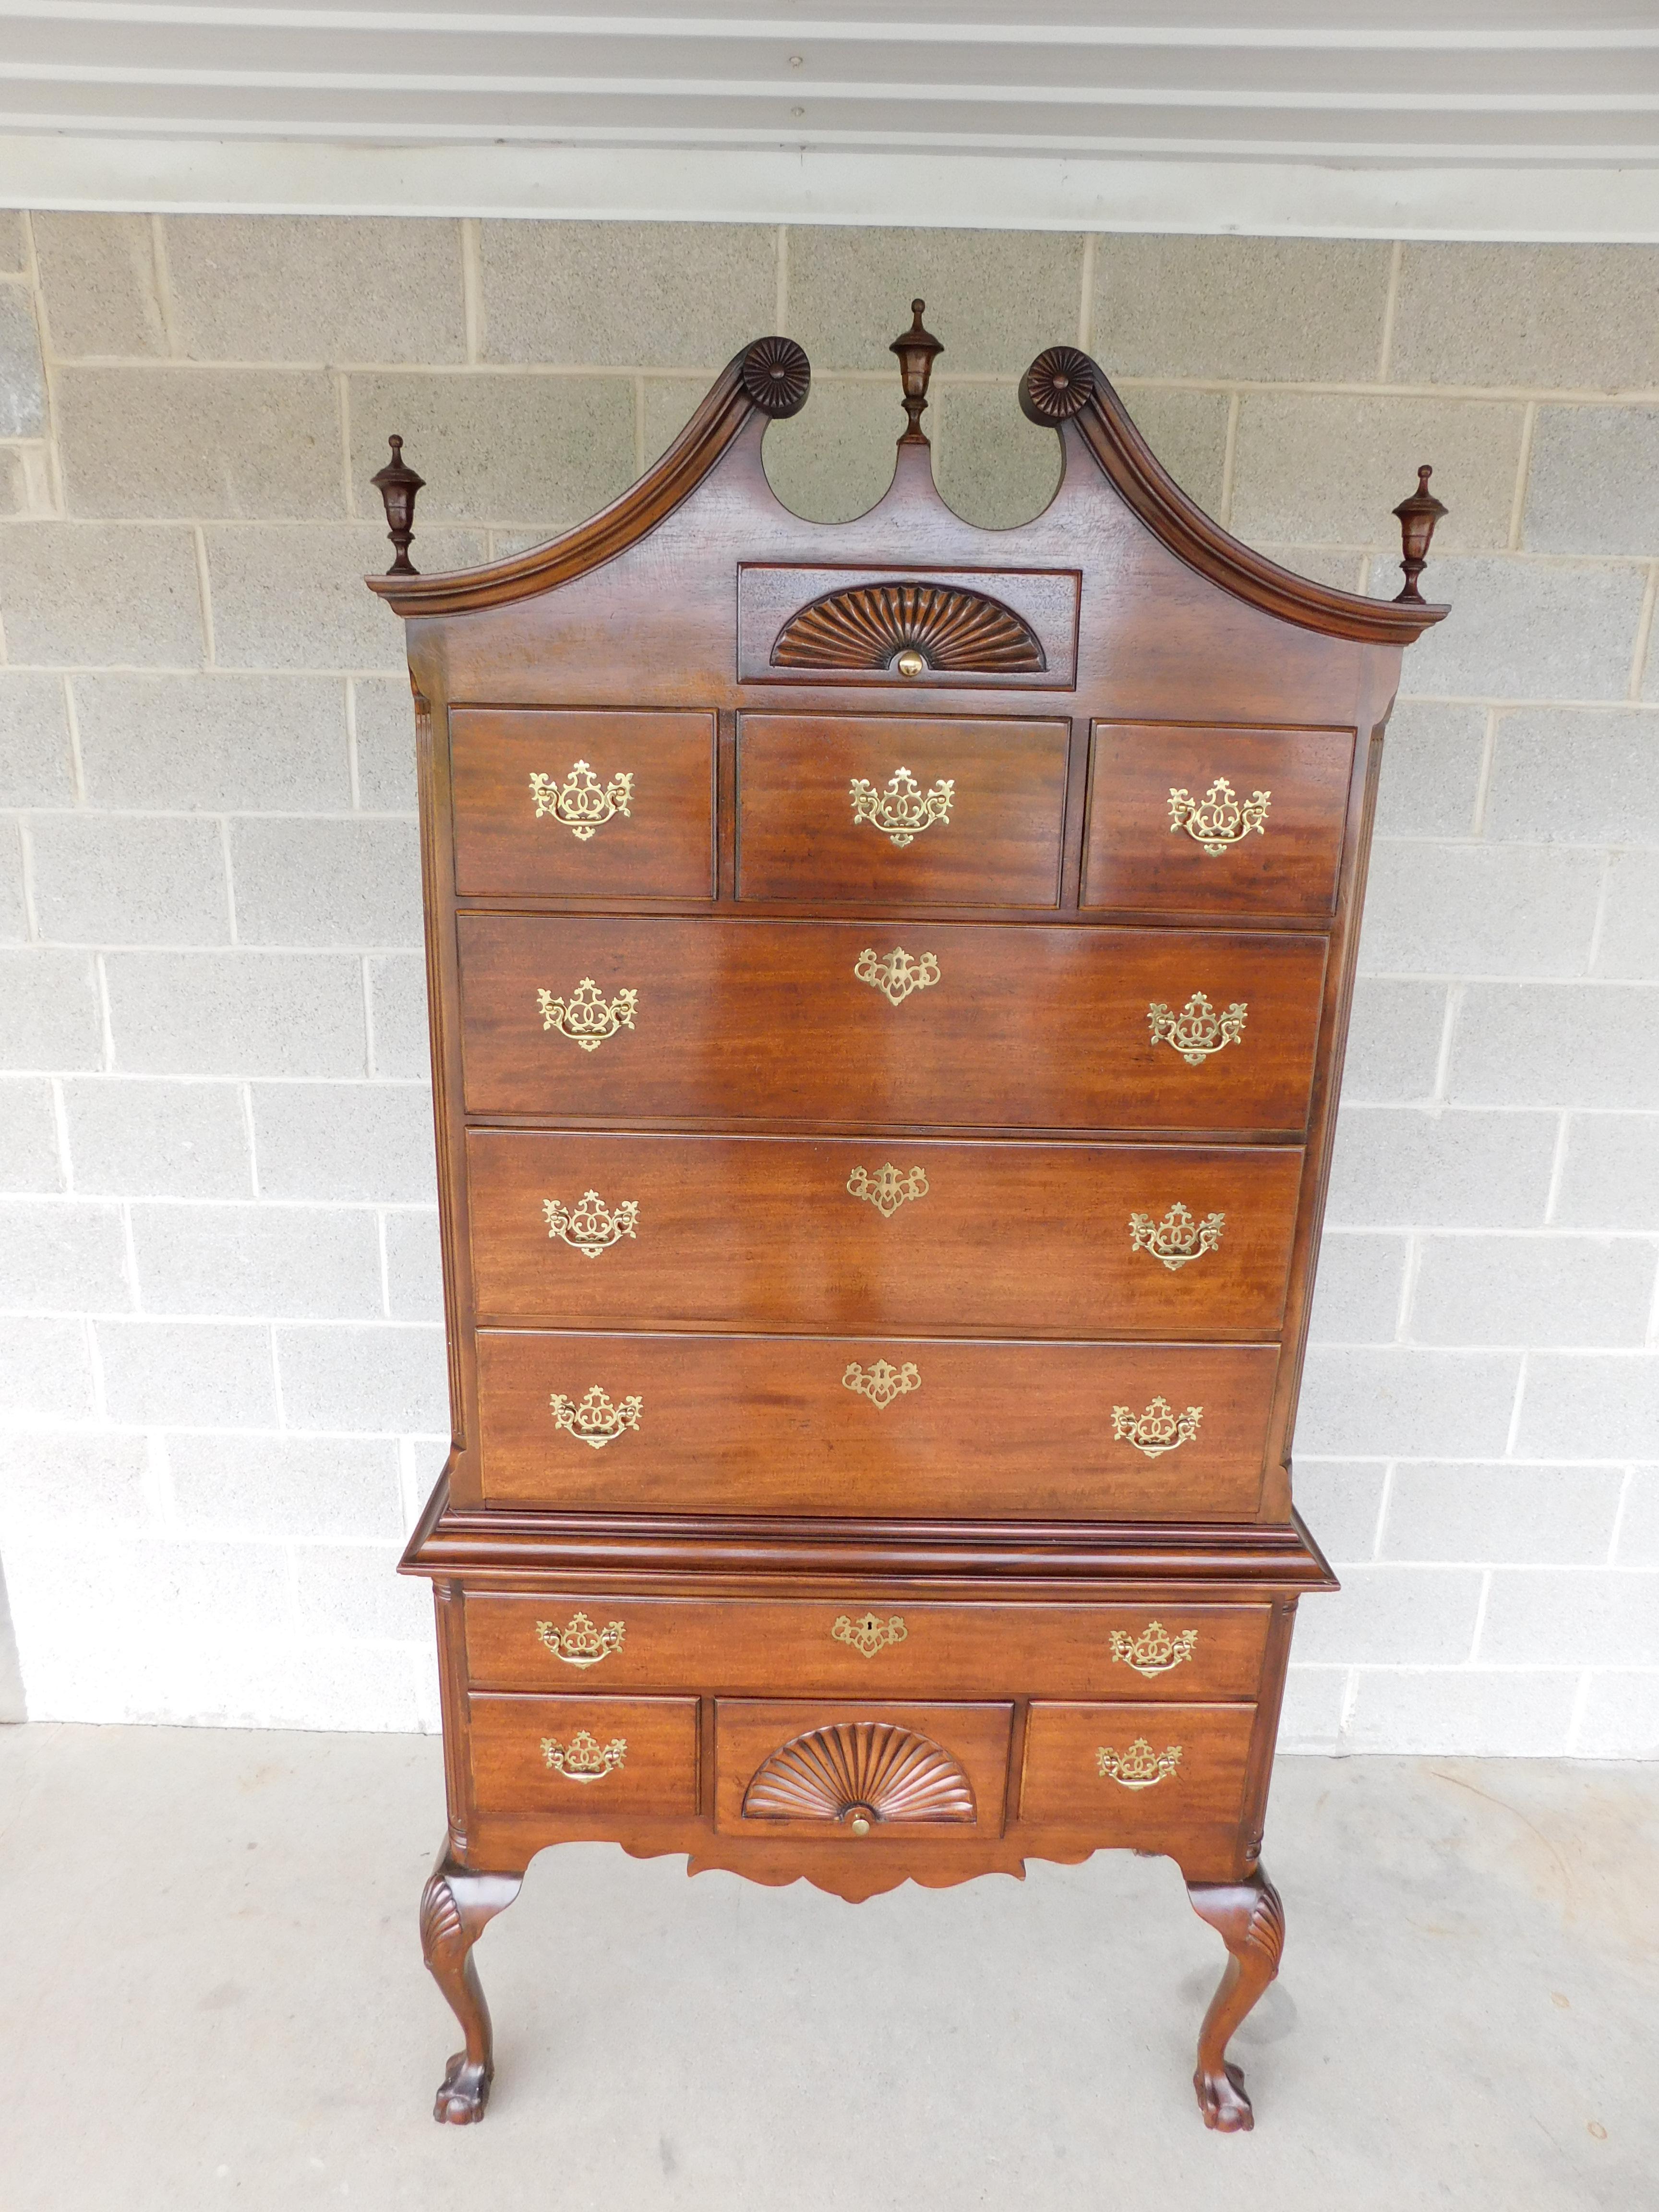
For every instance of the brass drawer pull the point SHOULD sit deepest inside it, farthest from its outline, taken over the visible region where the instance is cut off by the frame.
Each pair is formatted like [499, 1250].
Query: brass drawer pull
[585, 1017]
[1220, 818]
[581, 802]
[1154, 1651]
[584, 1759]
[579, 1642]
[887, 1189]
[869, 1633]
[1197, 1030]
[879, 1382]
[903, 810]
[1140, 1767]
[1160, 1428]
[596, 1421]
[1180, 1236]
[590, 1226]
[894, 974]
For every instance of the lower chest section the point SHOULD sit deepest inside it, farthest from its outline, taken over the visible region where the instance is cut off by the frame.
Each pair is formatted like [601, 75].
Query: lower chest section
[869, 1731]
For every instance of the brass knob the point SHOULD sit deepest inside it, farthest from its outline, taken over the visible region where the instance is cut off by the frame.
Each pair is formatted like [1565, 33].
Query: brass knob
[909, 662]
[861, 1826]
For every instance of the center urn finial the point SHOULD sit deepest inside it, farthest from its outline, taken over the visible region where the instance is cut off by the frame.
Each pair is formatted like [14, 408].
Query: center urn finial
[915, 349]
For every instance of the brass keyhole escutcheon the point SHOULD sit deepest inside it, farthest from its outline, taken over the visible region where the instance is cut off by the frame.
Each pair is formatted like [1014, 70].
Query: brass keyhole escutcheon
[909, 662]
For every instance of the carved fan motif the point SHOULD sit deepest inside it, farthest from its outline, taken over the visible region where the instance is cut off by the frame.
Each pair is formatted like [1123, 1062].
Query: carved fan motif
[859, 1771]
[869, 625]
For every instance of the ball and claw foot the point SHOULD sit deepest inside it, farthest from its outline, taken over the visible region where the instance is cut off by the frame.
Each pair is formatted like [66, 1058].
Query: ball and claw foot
[1224, 2101]
[464, 2092]
[1250, 1921]
[457, 1905]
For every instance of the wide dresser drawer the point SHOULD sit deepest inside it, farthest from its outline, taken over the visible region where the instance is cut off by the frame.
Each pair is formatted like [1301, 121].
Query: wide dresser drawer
[1007, 1026]
[860, 1646]
[934, 1429]
[865, 1234]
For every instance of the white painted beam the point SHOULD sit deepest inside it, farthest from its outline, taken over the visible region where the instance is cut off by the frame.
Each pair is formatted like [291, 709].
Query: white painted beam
[827, 185]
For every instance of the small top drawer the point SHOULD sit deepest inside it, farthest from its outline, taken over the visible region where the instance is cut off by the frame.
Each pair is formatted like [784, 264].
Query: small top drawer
[554, 802]
[1215, 821]
[922, 810]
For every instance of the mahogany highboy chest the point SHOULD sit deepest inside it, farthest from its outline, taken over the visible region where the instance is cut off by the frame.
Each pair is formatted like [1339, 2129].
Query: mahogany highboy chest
[888, 987]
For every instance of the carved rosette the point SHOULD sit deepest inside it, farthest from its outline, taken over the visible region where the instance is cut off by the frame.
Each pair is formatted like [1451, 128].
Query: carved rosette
[777, 376]
[945, 627]
[1059, 384]
[860, 1772]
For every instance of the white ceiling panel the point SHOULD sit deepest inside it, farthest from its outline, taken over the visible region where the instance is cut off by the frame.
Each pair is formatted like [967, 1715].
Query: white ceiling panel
[1469, 118]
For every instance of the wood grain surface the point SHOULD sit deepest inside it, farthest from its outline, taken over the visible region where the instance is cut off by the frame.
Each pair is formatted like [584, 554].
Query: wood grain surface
[1194, 1813]
[1135, 858]
[662, 848]
[755, 1646]
[1026, 1027]
[763, 1233]
[999, 845]
[748, 1732]
[658, 1771]
[768, 1425]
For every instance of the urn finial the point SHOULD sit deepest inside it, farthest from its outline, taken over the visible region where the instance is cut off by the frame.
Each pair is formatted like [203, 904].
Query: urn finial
[397, 483]
[915, 349]
[1417, 516]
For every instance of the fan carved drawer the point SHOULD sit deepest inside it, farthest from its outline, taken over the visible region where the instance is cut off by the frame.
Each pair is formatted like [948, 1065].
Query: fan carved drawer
[857, 1645]
[917, 1427]
[913, 1022]
[861, 1773]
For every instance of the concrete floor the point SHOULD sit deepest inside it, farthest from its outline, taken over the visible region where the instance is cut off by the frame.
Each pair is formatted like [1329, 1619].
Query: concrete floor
[211, 1994]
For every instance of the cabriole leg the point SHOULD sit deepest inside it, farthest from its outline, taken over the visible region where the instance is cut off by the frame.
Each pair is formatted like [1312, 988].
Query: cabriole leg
[457, 1905]
[1250, 1921]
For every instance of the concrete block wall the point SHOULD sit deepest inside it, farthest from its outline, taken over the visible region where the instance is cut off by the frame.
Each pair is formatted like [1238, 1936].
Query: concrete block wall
[222, 1357]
